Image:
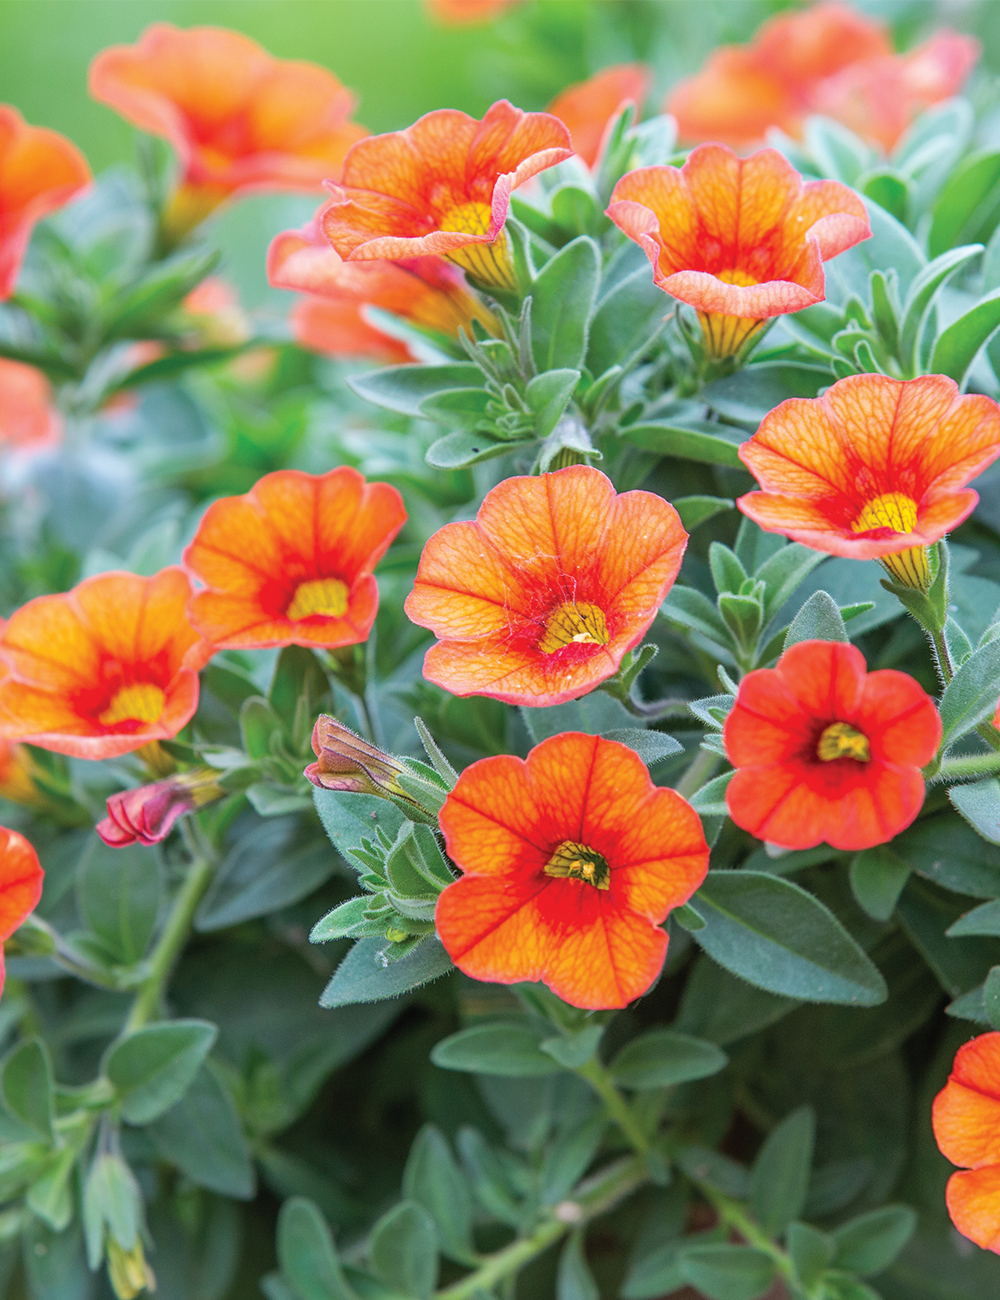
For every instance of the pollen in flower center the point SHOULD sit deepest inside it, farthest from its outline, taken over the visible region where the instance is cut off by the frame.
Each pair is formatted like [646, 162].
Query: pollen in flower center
[578, 862]
[326, 596]
[841, 740]
[142, 702]
[735, 276]
[890, 510]
[570, 622]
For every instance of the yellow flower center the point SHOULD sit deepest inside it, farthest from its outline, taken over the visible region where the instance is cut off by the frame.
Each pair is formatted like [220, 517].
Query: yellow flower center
[142, 702]
[571, 623]
[841, 740]
[893, 510]
[578, 862]
[491, 264]
[327, 596]
[737, 277]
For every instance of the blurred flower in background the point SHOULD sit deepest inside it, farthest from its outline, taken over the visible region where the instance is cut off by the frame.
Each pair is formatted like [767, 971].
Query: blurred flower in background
[28, 417]
[588, 107]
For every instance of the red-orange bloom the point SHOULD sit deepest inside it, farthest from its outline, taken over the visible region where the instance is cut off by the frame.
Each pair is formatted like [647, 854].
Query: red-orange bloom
[538, 599]
[27, 416]
[966, 1118]
[465, 13]
[571, 860]
[20, 885]
[588, 106]
[240, 120]
[825, 751]
[442, 186]
[291, 562]
[40, 170]
[339, 329]
[875, 468]
[100, 670]
[741, 240]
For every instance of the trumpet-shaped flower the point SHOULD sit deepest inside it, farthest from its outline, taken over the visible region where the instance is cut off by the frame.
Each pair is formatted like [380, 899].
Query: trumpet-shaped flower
[538, 599]
[291, 562]
[239, 120]
[571, 861]
[826, 751]
[40, 170]
[147, 814]
[966, 1118]
[740, 240]
[27, 415]
[442, 186]
[100, 670]
[20, 885]
[588, 107]
[876, 468]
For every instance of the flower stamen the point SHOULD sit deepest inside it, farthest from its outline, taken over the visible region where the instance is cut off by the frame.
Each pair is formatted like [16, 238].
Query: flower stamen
[325, 596]
[841, 740]
[578, 862]
[141, 702]
[569, 623]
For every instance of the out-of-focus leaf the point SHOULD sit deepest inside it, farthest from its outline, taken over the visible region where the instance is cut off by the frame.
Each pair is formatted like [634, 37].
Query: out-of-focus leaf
[562, 301]
[152, 1068]
[780, 1178]
[403, 388]
[506, 1047]
[403, 1250]
[201, 1134]
[660, 1058]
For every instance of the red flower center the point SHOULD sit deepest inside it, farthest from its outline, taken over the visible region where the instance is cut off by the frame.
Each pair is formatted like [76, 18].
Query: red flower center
[578, 862]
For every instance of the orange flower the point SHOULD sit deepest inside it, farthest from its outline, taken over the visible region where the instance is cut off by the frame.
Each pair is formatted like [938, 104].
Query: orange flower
[40, 171]
[240, 120]
[826, 751]
[571, 860]
[966, 1118]
[20, 885]
[876, 468]
[27, 416]
[588, 106]
[290, 563]
[442, 186]
[339, 329]
[17, 775]
[464, 13]
[100, 670]
[538, 599]
[741, 240]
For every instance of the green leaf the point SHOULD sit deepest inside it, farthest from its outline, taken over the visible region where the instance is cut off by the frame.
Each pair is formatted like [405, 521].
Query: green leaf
[572, 1050]
[366, 975]
[660, 1058]
[957, 346]
[651, 746]
[403, 388]
[979, 804]
[349, 818]
[783, 572]
[984, 919]
[112, 1197]
[627, 316]
[727, 1272]
[710, 800]
[946, 849]
[574, 1280]
[152, 1068]
[699, 509]
[433, 1179]
[259, 727]
[307, 1255]
[869, 1243]
[504, 1047]
[569, 1157]
[263, 872]
[461, 408]
[403, 1250]
[780, 1176]
[968, 203]
[811, 1252]
[926, 913]
[723, 1009]
[819, 619]
[457, 450]
[700, 440]
[877, 879]
[991, 996]
[774, 934]
[692, 609]
[920, 300]
[51, 1195]
[562, 301]
[202, 1136]
[118, 892]
[971, 695]
[27, 1087]
[548, 396]
[713, 1167]
[757, 389]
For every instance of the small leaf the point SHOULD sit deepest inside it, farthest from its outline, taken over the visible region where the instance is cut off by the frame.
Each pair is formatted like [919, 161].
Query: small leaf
[152, 1068]
[562, 302]
[367, 975]
[727, 1272]
[819, 619]
[27, 1087]
[503, 1047]
[569, 1157]
[957, 346]
[574, 1280]
[661, 1058]
[698, 509]
[651, 746]
[811, 1251]
[203, 1137]
[403, 388]
[971, 695]
[459, 450]
[984, 919]
[574, 1050]
[699, 440]
[403, 1250]
[877, 879]
[869, 1243]
[118, 891]
[433, 1179]
[548, 395]
[780, 1177]
[307, 1255]
[979, 804]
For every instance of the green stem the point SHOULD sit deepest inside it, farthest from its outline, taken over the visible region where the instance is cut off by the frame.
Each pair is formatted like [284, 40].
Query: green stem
[941, 656]
[735, 1216]
[592, 1198]
[969, 766]
[615, 1104]
[702, 767]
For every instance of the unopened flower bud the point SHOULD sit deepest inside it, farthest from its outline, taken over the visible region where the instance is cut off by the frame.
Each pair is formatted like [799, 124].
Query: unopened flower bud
[347, 762]
[147, 814]
[128, 1270]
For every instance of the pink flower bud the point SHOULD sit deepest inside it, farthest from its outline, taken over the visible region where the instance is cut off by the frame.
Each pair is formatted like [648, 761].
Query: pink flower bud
[146, 815]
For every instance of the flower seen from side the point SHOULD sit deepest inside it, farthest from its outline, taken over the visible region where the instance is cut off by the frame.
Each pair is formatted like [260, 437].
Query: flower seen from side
[239, 120]
[101, 670]
[40, 171]
[338, 328]
[740, 240]
[571, 861]
[28, 417]
[588, 107]
[345, 761]
[443, 186]
[826, 752]
[146, 815]
[538, 599]
[966, 1119]
[292, 561]
[876, 468]
[20, 885]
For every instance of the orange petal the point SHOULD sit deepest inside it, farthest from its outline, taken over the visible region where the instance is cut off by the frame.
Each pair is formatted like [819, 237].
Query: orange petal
[608, 963]
[514, 676]
[899, 718]
[967, 1121]
[587, 107]
[339, 329]
[735, 98]
[20, 882]
[973, 1199]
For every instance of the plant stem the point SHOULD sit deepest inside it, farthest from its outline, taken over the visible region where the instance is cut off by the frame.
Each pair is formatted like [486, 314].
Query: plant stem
[591, 1198]
[941, 656]
[615, 1104]
[702, 767]
[969, 765]
[735, 1216]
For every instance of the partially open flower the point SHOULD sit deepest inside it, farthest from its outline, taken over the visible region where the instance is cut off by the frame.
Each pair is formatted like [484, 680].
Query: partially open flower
[876, 468]
[966, 1119]
[344, 761]
[538, 599]
[571, 860]
[40, 170]
[20, 884]
[147, 814]
[100, 670]
[826, 751]
[588, 107]
[28, 417]
[741, 240]
[291, 562]
[240, 120]
[442, 186]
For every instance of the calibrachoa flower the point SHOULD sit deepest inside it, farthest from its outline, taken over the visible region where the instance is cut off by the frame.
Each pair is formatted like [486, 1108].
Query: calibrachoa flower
[825, 751]
[741, 240]
[40, 170]
[538, 599]
[571, 861]
[27, 415]
[442, 186]
[240, 120]
[588, 107]
[20, 885]
[103, 669]
[291, 562]
[464, 13]
[876, 468]
[339, 329]
[147, 814]
[17, 775]
[966, 1119]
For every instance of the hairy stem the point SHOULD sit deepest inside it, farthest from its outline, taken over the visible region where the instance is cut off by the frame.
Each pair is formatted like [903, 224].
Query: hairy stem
[615, 1104]
[734, 1215]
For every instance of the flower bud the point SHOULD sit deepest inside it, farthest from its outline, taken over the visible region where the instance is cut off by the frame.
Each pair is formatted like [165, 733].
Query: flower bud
[147, 814]
[346, 762]
[128, 1271]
